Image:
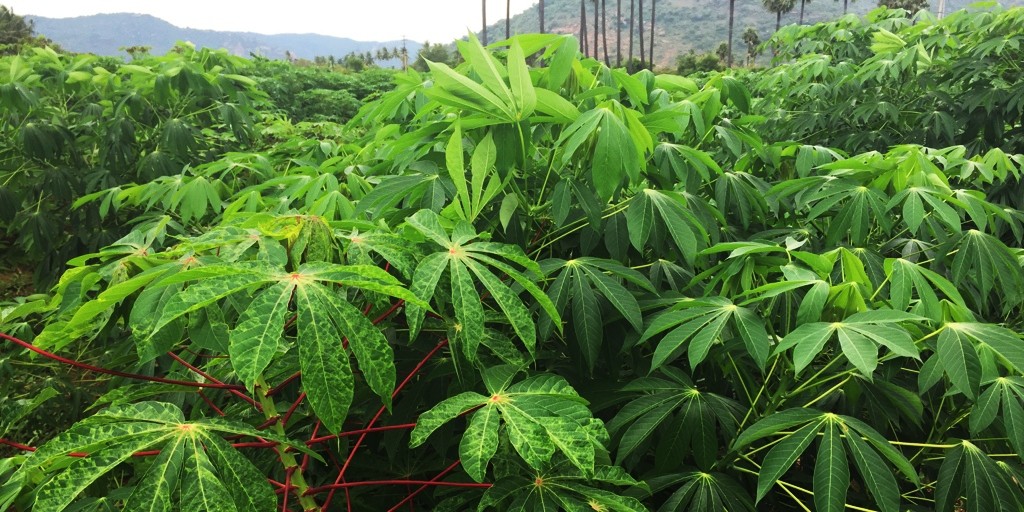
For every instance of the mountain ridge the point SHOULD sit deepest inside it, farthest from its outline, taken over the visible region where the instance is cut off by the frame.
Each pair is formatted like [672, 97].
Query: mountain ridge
[106, 34]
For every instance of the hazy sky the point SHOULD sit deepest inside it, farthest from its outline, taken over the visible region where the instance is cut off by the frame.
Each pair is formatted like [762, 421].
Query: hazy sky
[372, 20]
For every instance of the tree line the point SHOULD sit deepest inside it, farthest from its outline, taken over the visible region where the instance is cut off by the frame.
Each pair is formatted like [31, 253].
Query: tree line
[593, 27]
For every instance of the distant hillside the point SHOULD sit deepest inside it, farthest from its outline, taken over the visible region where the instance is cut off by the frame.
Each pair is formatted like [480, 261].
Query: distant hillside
[103, 34]
[684, 25]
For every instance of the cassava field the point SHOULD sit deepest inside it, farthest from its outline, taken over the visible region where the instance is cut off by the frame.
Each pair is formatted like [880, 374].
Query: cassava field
[525, 281]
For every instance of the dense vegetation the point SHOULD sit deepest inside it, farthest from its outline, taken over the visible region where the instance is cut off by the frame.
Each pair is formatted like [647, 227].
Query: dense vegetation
[555, 286]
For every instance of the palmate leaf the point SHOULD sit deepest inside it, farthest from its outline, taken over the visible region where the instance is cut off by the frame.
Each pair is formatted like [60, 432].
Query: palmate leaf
[697, 324]
[183, 473]
[970, 474]
[699, 417]
[671, 210]
[541, 415]
[465, 259]
[959, 355]
[700, 491]
[559, 486]
[859, 335]
[982, 265]
[578, 282]
[1009, 393]
[831, 472]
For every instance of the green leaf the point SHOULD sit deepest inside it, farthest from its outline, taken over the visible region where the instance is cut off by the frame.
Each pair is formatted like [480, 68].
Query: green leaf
[153, 492]
[469, 312]
[246, 485]
[617, 295]
[959, 360]
[370, 346]
[200, 487]
[783, 455]
[831, 471]
[770, 425]
[876, 476]
[514, 309]
[859, 350]
[479, 442]
[424, 282]
[254, 342]
[58, 492]
[326, 372]
[449, 409]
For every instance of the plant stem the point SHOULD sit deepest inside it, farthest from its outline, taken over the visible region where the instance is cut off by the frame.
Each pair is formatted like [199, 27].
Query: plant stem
[291, 465]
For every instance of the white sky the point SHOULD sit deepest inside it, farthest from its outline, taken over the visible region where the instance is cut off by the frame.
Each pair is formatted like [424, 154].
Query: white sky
[372, 20]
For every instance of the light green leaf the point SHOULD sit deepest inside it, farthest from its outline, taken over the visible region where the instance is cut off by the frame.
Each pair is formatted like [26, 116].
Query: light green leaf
[153, 492]
[200, 487]
[374, 354]
[254, 342]
[469, 312]
[246, 485]
[479, 442]
[449, 409]
[326, 372]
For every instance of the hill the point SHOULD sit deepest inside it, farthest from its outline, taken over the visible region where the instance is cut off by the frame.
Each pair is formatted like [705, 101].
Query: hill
[104, 34]
[685, 25]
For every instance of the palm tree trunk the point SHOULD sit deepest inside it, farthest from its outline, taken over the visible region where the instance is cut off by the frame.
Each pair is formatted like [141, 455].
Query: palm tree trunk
[640, 31]
[778, 20]
[632, 28]
[802, 4]
[508, 19]
[483, 7]
[583, 26]
[597, 29]
[654, 5]
[732, 12]
[541, 16]
[846, 7]
[618, 33]
[604, 32]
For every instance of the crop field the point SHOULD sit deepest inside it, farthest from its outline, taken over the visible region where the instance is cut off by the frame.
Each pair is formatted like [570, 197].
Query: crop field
[522, 280]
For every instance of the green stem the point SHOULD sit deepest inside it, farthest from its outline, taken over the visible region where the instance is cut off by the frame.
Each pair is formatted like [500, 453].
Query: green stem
[287, 458]
[828, 392]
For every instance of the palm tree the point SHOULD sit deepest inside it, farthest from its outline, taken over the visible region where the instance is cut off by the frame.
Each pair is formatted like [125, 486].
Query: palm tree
[732, 13]
[654, 5]
[802, 4]
[508, 19]
[752, 39]
[632, 18]
[13, 28]
[483, 7]
[618, 33]
[583, 26]
[640, 33]
[541, 5]
[779, 7]
[597, 28]
[604, 31]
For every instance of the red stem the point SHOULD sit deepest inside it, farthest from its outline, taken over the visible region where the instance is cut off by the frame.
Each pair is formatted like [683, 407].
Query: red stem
[210, 378]
[341, 474]
[97, 369]
[288, 415]
[346, 485]
[323, 439]
[277, 389]
[211, 404]
[408, 499]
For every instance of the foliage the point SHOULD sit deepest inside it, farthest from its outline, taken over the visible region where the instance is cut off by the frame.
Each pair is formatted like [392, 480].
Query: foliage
[317, 94]
[863, 83]
[555, 286]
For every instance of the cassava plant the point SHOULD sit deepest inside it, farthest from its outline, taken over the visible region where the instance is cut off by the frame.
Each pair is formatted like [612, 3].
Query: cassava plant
[556, 286]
